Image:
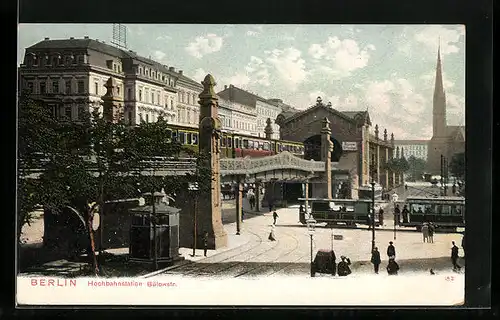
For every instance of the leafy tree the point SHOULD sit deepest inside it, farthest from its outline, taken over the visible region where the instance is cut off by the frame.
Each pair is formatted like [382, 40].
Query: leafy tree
[416, 168]
[457, 165]
[398, 165]
[88, 162]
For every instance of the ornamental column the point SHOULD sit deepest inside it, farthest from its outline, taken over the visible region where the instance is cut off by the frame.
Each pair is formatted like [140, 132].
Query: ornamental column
[112, 102]
[268, 130]
[326, 155]
[210, 215]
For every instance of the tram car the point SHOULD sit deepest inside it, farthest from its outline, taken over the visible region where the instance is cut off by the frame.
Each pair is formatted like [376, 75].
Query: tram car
[235, 145]
[443, 212]
[346, 211]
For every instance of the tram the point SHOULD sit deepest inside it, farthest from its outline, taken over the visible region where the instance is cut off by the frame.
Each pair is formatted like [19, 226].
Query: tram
[346, 211]
[235, 145]
[443, 212]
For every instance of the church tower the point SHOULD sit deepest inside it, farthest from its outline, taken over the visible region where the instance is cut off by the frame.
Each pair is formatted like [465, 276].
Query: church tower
[439, 102]
[439, 142]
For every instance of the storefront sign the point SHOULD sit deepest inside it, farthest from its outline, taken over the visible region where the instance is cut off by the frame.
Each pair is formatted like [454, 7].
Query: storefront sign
[349, 146]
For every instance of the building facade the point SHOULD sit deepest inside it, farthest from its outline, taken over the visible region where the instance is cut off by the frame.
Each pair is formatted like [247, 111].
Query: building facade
[70, 76]
[356, 149]
[446, 140]
[264, 108]
[416, 148]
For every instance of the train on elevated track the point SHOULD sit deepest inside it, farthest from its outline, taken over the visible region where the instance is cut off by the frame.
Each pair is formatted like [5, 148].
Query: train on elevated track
[236, 145]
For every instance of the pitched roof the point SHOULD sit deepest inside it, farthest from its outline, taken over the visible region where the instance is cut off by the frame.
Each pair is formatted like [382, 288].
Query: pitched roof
[87, 43]
[452, 131]
[236, 94]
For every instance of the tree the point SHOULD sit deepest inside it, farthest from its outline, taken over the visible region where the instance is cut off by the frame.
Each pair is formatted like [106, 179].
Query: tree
[88, 162]
[457, 165]
[398, 165]
[416, 168]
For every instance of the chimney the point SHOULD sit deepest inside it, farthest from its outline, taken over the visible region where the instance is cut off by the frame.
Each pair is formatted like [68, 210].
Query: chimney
[47, 38]
[86, 37]
[171, 69]
[225, 87]
[71, 38]
[180, 72]
[231, 86]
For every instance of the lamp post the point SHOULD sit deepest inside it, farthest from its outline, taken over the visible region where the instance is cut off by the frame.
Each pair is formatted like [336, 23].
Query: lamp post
[311, 225]
[193, 187]
[373, 214]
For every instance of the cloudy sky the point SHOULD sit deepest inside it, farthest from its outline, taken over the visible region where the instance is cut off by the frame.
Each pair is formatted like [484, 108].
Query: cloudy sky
[388, 70]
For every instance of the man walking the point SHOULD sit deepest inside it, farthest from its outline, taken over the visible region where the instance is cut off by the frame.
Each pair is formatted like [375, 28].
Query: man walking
[391, 251]
[205, 243]
[431, 232]
[381, 217]
[454, 257]
[275, 216]
[375, 259]
[425, 232]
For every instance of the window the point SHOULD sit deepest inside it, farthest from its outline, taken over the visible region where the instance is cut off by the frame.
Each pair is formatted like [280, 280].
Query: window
[30, 87]
[96, 86]
[147, 117]
[55, 87]
[81, 86]
[81, 59]
[129, 94]
[245, 143]
[140, 70]
[157, 98]
[118, 90]
[130, 116]
[67, 60]
[81, 112]
[147, 72]
[43, 88]
[54, 61]
[119, 68]
[188, 116]
[152, 97]
[67, 112]
[189, 138]
[182, 137]
[195, 138]
[68, 88]
[140, 95]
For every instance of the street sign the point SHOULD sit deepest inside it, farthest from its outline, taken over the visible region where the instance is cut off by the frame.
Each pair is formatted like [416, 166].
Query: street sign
[349, 146]
[338, 237]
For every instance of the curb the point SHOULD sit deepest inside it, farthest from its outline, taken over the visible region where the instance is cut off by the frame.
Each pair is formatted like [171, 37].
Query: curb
[157, 272]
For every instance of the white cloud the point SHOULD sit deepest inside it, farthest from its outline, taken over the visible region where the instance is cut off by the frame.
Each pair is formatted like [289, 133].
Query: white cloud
[203, 45]
[289, 38]
[289, 65]
[448, 37]
[340, 57]
[159, 55]
[379, 95]
[163, 38]
[252, 33]
[455, 109]
[199, 74]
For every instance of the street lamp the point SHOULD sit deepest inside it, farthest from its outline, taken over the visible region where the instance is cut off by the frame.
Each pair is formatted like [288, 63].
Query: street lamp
[373, 214]
[193, 187]
[311, 225]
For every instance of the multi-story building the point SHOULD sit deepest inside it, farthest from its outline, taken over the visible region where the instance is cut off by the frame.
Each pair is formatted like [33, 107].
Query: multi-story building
[70, 75]
[416, 148]
[264, 108]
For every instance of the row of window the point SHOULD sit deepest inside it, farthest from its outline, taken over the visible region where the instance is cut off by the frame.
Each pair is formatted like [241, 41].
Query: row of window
[187, 97]
[54, 87]
[155, 75]
[436, 209]
[67, 112]
[54, 60]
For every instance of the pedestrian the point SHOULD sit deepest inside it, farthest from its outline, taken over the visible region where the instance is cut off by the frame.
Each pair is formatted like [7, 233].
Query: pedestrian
[425, 232]
[205, 243]
[375, 259]
[343, 267]
[397, 213]
[454, 257]
[392, 267]
[251, 199]
[270, 206]
[275, 216]
[431, 232]
[391, 251]
[454, 189]
[271, 234]
[405, 213]
[463, 244]
[381, 217]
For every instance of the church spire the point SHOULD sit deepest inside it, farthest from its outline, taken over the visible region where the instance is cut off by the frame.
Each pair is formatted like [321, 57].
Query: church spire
[439, 101]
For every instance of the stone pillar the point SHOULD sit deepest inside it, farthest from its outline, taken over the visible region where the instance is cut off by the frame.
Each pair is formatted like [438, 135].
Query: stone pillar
[354, 186]
[378, 163]
[239, 206]
[386, 170]
[326, 156]
[112, 105]
[210, 218]
[268, 130]
[257, 196]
